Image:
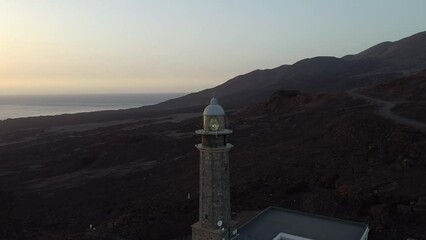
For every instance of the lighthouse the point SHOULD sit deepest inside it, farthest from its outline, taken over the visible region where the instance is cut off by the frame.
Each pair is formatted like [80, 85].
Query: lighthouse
[274, 223]
[214, 200]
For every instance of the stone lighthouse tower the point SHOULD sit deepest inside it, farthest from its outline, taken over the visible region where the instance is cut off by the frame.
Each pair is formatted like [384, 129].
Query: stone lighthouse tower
[215, 203]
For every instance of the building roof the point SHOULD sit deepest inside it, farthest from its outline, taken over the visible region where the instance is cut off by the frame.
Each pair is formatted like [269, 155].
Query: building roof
[274, 221]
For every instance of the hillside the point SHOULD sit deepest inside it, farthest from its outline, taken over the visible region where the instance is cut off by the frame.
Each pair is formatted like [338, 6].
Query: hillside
[405, 54]
[315, 148]
[409, 93]
[377, 64]
[373, 66]
[411, 88]
[325, 153]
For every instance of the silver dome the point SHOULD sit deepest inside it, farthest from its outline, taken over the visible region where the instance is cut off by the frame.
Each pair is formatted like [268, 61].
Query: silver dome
[214, 109]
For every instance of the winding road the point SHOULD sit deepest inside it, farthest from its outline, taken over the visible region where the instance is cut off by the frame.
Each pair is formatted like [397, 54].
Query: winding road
[385, 111]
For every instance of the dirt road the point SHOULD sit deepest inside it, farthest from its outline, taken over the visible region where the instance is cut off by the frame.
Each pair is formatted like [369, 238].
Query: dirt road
[385, 111]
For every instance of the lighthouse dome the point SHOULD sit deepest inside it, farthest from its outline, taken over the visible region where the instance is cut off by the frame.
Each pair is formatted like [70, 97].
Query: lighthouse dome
[214, 109]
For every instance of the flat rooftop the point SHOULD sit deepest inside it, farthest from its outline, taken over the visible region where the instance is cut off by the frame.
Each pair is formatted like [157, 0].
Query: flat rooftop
[274, 221]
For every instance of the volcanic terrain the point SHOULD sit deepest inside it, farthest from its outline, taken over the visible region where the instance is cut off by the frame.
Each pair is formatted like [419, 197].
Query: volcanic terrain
[325, 153]
[335, 145]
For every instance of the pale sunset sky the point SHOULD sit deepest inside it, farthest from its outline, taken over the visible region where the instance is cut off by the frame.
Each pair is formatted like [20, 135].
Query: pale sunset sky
[124, 46]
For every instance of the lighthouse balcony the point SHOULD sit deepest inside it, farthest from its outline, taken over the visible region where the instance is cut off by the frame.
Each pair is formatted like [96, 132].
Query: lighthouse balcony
[216, 149]
[219, 132]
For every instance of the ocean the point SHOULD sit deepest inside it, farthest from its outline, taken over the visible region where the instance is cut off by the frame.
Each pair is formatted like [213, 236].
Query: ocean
[16, 106]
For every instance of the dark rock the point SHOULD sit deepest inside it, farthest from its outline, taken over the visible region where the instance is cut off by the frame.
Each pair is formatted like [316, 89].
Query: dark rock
[389, 193]
[283, 94]
[329, 180]
[404, 213]
[380, 216]
[407, 162]
[420, 205]
[297, 187]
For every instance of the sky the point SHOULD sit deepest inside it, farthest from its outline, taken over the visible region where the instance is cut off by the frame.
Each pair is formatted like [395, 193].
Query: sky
[135, 46]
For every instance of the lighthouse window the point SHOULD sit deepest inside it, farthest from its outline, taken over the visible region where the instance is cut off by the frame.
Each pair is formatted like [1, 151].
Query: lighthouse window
[206, 216]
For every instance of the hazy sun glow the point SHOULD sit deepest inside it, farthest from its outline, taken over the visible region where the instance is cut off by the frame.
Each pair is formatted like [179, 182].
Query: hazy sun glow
[102, 46]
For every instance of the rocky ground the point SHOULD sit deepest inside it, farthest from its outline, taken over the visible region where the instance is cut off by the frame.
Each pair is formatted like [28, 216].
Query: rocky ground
[410, 89]
[412, 110]
[329, 154]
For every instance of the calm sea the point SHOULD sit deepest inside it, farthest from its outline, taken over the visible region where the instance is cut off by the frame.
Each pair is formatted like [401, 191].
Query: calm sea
[41, 105]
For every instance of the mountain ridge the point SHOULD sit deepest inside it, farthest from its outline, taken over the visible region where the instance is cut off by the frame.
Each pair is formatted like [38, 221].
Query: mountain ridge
[405, 53]
[386, 60]
[317, 74]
